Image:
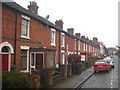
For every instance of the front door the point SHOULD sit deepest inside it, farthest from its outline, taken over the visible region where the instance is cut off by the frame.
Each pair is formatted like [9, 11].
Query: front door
[39, 61]
[4, 62]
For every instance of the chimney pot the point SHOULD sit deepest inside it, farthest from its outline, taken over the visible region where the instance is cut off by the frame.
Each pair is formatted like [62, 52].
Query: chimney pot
[33, 7]
[70, 31]
[77, 35]
[83, 37]
[95, 39]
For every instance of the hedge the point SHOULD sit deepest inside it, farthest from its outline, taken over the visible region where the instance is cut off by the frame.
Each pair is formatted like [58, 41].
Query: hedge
[16, 80]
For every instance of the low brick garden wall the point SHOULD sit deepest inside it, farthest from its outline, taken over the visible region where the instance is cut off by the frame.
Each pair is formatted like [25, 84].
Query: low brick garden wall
[48, 76]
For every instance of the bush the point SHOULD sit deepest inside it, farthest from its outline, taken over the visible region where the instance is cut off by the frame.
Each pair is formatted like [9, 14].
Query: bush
[74, 57]
[92, 57]
[16, 80]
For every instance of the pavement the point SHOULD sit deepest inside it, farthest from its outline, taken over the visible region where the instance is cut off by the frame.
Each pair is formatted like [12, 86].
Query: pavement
[75, 80]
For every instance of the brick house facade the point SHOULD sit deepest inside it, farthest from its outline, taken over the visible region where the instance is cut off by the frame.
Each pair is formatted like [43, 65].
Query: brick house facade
[31, 42]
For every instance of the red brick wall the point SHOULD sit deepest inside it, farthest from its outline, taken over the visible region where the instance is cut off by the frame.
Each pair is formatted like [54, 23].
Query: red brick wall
[38, 32]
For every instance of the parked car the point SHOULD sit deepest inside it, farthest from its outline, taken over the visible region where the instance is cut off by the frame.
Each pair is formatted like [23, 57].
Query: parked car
[110, 60]
[101, 65]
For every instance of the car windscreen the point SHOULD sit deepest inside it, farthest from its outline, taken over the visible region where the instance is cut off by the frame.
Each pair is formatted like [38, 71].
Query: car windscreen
[99, 62]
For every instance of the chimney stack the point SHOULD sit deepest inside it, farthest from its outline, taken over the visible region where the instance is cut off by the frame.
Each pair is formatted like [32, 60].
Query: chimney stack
[83, 37]
[59, 23]
[70, 31]
[77, 35]
[87, 39]
[33, 7]
[95, 39]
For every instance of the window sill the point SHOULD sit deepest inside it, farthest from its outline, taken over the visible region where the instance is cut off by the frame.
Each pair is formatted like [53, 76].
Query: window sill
[53, 45]
[63, 46]
[25, 37]
[25, 71]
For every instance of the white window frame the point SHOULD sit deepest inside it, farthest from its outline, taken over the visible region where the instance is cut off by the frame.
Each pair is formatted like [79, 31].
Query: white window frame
[78, 45]
[89, 48]
[93, 49]
[75, 44]
[28, 31]
[54, 42]
[26, 48]
[62, 41]
[86, 46]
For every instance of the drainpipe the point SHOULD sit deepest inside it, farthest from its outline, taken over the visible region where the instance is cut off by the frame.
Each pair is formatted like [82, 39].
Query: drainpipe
[59, 48]
[15, 37]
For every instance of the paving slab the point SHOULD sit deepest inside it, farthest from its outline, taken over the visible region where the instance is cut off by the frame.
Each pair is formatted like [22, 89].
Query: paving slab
[75, 80]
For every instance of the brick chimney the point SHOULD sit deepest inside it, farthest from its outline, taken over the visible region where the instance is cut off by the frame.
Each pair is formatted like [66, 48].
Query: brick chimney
[59, 23]
[95, 39]
[70, 31]
[83, 37]
[77, 35]
[33, 7]
[87, 39]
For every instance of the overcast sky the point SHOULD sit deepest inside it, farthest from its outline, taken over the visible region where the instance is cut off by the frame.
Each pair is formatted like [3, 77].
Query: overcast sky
[92, 18]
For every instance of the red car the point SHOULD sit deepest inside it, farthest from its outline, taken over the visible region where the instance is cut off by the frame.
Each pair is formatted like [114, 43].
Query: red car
[101, 65]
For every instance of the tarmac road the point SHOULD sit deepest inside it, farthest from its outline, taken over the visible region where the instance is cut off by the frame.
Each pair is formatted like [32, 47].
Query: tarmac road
[104, 79]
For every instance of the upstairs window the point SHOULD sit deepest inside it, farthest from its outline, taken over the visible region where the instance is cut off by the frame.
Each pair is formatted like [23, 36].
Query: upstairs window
[25, 27]
[53, 34]
[62, 40]
[75, 44]
[84, 46]
[78, 45]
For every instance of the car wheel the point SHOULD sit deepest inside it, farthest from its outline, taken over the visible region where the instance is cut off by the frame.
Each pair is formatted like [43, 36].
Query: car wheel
[108, 70]
[113, 66]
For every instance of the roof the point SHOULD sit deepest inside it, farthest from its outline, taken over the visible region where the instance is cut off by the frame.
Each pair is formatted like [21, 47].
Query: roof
[18, 8]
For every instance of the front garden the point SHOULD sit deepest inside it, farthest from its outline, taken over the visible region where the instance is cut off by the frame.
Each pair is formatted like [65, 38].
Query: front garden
[47, 77]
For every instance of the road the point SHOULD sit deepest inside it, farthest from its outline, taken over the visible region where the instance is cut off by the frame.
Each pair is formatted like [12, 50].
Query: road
[104, 79]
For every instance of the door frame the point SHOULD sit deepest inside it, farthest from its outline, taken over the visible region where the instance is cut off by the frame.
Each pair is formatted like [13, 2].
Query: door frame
[35, 59]
[11, 51]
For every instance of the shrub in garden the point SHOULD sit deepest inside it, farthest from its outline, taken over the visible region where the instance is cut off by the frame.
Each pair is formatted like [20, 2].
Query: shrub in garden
[74, 57]
[16, 80]
[92, 57]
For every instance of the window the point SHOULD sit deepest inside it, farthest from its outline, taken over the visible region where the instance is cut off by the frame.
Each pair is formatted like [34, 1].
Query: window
[63, 58]
[89, 48]
[75, 44]
[62, 40]
[5, 49]
[84, 47]
[32, 59]
[53, 32]
[78, 45]
[23, 62]
[25, 27]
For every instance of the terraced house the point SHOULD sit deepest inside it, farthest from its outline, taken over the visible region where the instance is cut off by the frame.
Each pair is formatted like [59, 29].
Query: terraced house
[32, 42]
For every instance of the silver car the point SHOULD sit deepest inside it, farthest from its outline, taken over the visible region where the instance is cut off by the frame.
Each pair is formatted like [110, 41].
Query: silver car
[110, 60]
